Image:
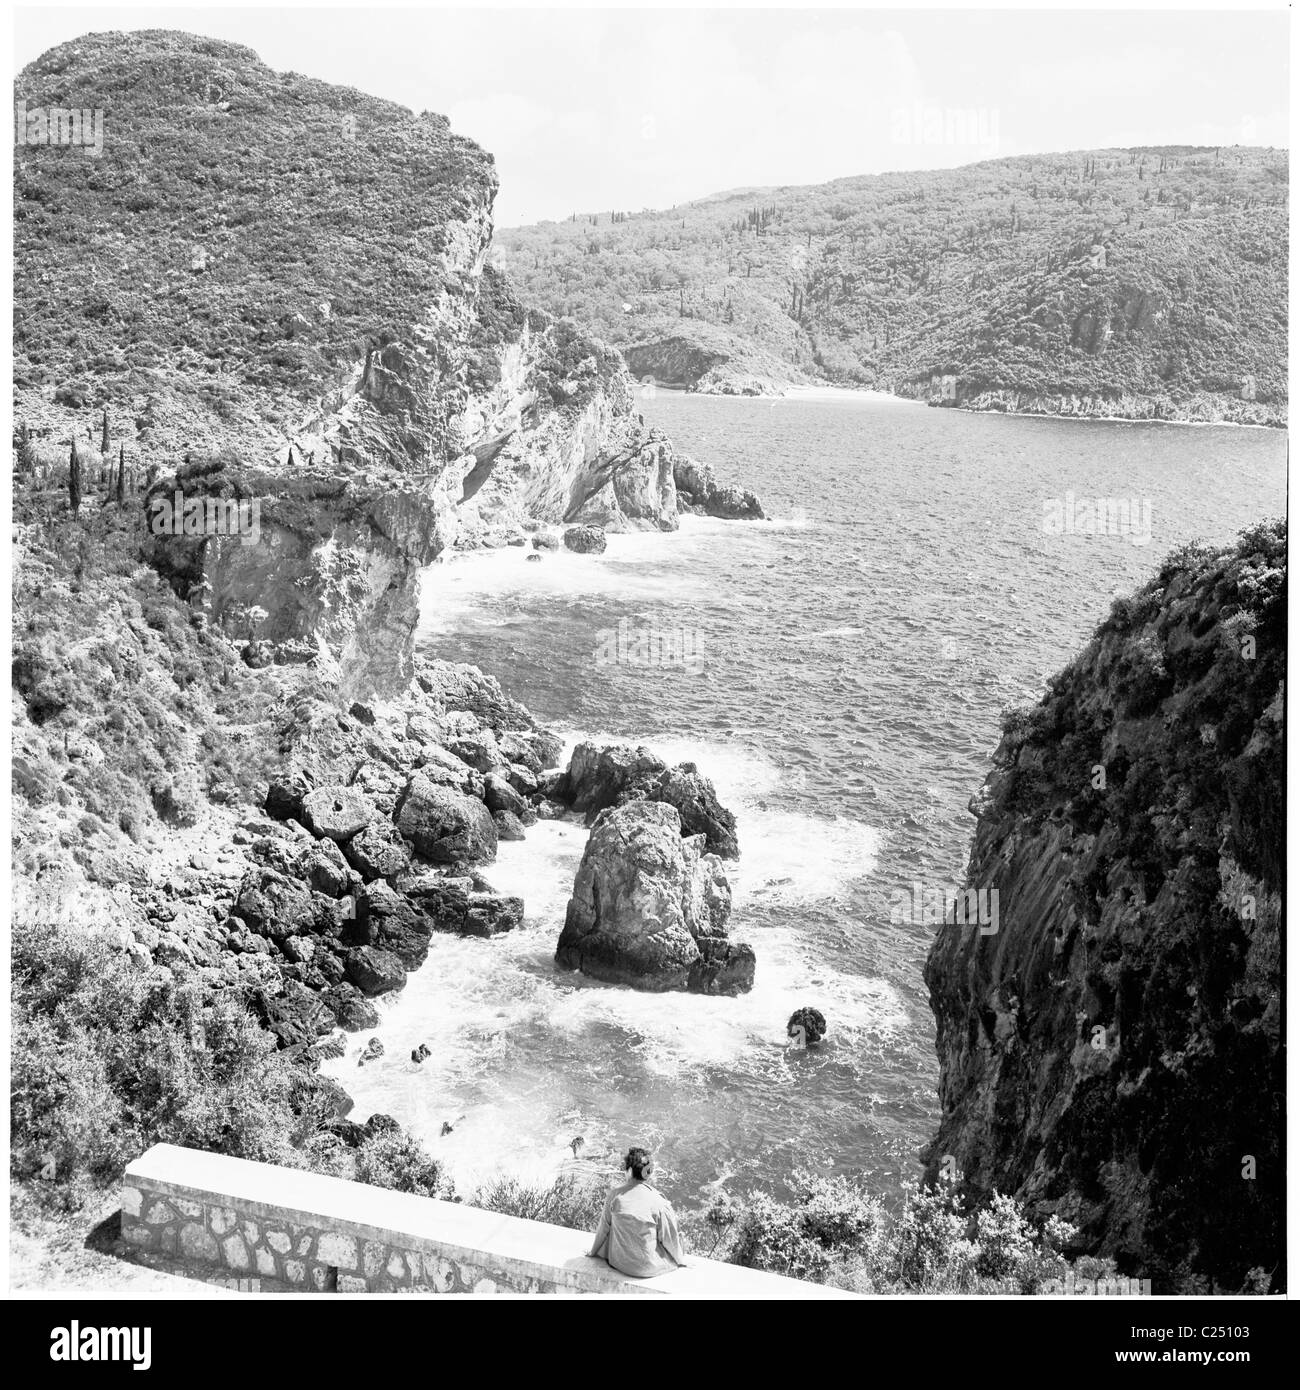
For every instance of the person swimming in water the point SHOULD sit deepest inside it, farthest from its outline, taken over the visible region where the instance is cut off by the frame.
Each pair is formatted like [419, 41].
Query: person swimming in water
[637, 1234]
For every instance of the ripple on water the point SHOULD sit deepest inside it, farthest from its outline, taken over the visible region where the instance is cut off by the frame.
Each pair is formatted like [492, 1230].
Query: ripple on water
[836, 724]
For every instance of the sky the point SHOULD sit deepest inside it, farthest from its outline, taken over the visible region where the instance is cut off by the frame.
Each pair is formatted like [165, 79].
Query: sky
[597, 109]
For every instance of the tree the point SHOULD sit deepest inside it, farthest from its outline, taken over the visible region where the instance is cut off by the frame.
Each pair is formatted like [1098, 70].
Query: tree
[74, 480]
[121, 475]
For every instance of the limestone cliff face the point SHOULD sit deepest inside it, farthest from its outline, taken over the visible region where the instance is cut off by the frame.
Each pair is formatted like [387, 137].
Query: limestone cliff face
[1113, 1052]
[295, 313]
[711, 362]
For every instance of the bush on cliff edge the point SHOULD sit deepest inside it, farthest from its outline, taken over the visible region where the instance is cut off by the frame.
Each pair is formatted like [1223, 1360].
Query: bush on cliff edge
[109, 1059]
[837, 1233]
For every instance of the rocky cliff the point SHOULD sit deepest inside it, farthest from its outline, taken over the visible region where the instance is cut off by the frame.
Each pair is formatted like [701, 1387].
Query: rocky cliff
[290, 306]
[1112, 1053]
[263, 378]
[711, 362]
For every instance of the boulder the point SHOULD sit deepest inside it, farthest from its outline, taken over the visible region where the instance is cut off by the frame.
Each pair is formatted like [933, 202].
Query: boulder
[734, 504]
[285, 794]
[446, 826]
[649, 907]
[419, 1054]
[381, 784]
[476, 748]
[553, 784]
[378, 852]
[298, 949]
[337, 812]
[724, 967]
[373, 1049]
[698, 491]
[609, 775]
[456, 905]
[546, 541]
[459, 686]
[276, 906]
[520, 748]
[374, 971]
[601, 775]
[281, 855]
[536, 558]
[509, 826]
[329, 965]
[323, 866]
[296, 1017]
[522, 778]
[352, 1009]
[501, 796]
[586, 540]
[388, 920]
[692, 795]
[444, 769]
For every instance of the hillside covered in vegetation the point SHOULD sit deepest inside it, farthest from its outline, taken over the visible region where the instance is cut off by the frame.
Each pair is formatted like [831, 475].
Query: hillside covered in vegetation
[1146, 283]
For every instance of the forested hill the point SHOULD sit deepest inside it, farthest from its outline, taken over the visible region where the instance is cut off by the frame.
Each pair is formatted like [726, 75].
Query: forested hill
[1139, 282]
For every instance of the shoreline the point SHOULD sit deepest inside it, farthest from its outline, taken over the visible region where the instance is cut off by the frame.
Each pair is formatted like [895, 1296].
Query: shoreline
[831, 392]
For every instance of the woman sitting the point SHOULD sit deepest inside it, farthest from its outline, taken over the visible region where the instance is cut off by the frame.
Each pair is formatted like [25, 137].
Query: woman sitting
[637, 1234]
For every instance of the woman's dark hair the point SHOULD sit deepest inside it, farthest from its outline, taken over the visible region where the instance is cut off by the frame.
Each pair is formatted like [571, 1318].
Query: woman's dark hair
[638, 1160]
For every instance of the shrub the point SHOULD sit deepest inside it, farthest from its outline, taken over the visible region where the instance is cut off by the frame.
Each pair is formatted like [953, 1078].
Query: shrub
[930, 1246]
[109, 1058]
[829, 1217]
[568, 1200]
[395, 1160]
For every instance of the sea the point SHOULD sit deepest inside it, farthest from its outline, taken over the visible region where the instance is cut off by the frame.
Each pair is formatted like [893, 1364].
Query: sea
[839, 671]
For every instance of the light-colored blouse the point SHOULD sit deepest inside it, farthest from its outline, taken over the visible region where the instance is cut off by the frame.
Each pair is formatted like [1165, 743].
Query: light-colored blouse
[637, 1234]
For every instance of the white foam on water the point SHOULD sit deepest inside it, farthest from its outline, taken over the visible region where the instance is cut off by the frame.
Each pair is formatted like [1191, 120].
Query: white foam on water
[513, 1039]
[654, 566]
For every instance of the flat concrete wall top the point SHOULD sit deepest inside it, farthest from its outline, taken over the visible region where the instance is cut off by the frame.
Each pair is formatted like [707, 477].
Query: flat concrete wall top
[506, 1243]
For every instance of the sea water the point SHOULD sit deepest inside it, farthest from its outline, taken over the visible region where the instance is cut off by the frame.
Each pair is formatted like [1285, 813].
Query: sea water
[850, 660]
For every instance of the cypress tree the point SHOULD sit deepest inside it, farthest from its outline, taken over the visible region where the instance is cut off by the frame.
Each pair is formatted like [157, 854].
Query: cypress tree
[121, 475]
[74, 480]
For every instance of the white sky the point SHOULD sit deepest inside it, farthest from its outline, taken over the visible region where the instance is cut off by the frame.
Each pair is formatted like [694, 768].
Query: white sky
[595, 109]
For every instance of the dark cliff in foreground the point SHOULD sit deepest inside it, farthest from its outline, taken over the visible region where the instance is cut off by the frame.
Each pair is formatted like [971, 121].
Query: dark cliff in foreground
[1113, 1053]
[1146, 283]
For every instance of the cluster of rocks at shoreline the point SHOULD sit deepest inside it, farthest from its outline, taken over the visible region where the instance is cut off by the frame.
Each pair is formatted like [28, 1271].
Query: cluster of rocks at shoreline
[376, 831]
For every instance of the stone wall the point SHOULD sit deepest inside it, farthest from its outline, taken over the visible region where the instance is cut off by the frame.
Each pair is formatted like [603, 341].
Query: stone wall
[296, 1253]
[303, 1230]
